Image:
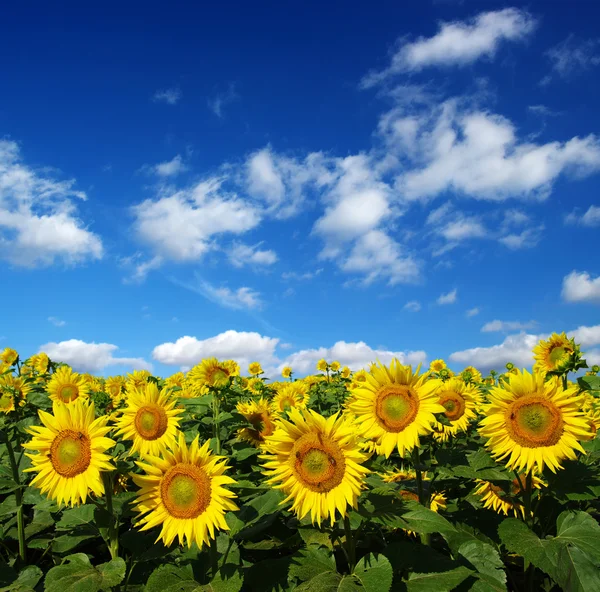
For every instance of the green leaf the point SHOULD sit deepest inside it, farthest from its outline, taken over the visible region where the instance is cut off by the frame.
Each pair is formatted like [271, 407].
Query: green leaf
[41, 521]
[425, 521]
[310, 562]
[77, 574]
[270, 575]
[79, 516]
[374, 573]
[314, 536]
[170, 578]
[576, 571]
[330, 582]
[27, 580]
[589, 383]
[437, 582]
[580, 530]
[485, 559]
[68, 542]
[232, 582]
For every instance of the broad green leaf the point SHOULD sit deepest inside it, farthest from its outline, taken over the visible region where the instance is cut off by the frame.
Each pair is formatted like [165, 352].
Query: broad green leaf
[68, 542]
[41, 521]
[77, 574]
[232, 582]
[79, 516]
[310, 562]
[171, 578]
[485, 559]
[576, 571]
[413, 556]
[437, 582]
[112, 572]
[330, 582]
[581, 530]
[374, 573]
[425, 521]
[26, 581]
[313, 536]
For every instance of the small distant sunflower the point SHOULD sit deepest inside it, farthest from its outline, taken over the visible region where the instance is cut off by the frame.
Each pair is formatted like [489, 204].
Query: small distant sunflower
[460, 401]
[258, 414]
[317, 463]
[9, 356]
[40, 362]
[137, 380]
[254, 385]
[554, 353]
[255, 369]
[182, 491]
[70, 449]
[322, 365]
[211, 372]
[471, 374]
[345, 372]
[395, 406]
[150, 420]
[114, 386]
[292, 394]
[12, 387]
[437, 366]
[66, 386]
[532, 422]
[174, 380]
[496, 498]
[286, 372]
[335, 366]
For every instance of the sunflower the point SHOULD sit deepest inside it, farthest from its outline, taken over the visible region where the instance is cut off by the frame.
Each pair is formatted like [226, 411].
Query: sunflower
[70, 449]
[286, 372]
[317, 463]
[461, 401]
[174, 380]
[183, 491]
[67, 386]
[150, 420]
[255, 369]
[12, 387]
[322, 365]
[471, 374]
[395, 406]
[553, 354]
[9, 356]
[137, 380]
[534, 422]
[407, 477]
[254, 385]
[211, 372]
[496, 498]
[258, 414]
[114, 386]
[437, 366]
[335, 366]
[345, 372]
[291, 394]
[40, 362]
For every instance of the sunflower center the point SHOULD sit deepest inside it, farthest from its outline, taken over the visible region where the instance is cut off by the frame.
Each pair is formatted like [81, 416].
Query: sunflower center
[534, 421]
[318, 462]
[557, 354]
[454, 404]
[151, 422]
[185, 491]
[68, 392]
[217, 376]
[396, 407]
[408, 495]
[70, 453]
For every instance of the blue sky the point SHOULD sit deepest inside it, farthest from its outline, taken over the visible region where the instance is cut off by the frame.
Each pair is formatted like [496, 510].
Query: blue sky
[284, 182]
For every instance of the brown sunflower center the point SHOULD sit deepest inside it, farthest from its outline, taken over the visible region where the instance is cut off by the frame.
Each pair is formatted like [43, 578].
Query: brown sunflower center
[408, 495]
[534, 421]
[396, 407]
[185, 491]
[261, 423]
[68, 392]
[151, 422]
[70, 453]
[454, 404]
[318, 462]
[217, 376]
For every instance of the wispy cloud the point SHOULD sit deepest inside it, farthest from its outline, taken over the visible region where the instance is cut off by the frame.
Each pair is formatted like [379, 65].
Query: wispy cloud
[217, 103]
[472, 312]
[237, 299]
[449, 298]
[168, 168]
[507, 326]
[170, 96]
[412, 306]
[590, 218]
[57, 322]
[572, 57]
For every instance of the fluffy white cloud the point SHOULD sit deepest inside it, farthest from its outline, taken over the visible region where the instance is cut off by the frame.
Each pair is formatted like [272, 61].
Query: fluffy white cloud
[56, 322]
[449, 298]
[506, 326]
[240, 255]
[169, 168]
[586, 336]
[581, 287]
[458, 43]
[354, 355]
[463, 228]
[243, 347]
[90, 357]
[180, 226]
[412, 306]
[590, 218]
[170, 96]
[528, 238]
[38, 224]
[472, 312]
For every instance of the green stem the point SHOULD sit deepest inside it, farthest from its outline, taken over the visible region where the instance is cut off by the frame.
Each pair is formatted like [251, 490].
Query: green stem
[425, 538]
[214, 558]
[113, 528]
[528, 567]
[131, 566]
[216, 430]
[227, 552]
[350, 544]
[19, 500]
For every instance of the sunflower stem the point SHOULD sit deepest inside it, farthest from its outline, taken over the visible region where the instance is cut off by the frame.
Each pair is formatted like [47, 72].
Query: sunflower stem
[19, 501]
[527, 496]
[217, 431]
[350, 543]
[113, 529]
[425, 537]
[214, 558]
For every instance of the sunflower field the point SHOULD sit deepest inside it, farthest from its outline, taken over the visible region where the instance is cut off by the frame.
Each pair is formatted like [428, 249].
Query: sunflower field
[223, 480]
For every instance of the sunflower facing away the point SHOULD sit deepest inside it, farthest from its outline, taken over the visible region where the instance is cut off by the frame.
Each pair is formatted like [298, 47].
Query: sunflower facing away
[395, 406]
[183, 491]
[291, 394]
[554, 353]
[496, 498]
[317, 463]
[66, 386]
[258, 415]
[533, 423]
[461, 401]
[70, 449]
[150, 420]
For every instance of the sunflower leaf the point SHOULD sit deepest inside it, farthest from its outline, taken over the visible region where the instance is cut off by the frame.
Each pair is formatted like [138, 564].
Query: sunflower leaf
[270, 575]
[26, 581]
[437, 582]
[374, 573]
[485, 559]
[171, 578]
[576, 571]
[309, 563]
[425, 521]
[581, 530]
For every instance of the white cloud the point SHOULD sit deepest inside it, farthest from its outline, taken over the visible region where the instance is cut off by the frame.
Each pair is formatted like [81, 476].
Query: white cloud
[243, 347]
[581, 287]
[38, 224]
[354, 355]
[586, 336]
[463, 228]
[56, 322]
[591, 217]
[140, 269]
[528, 238]
[221, 100]
[412, 306]
[170, 96]
[241, 255]
[458, 43]
[449, 298]
[241, 298]
[573, 56]
[308, 275]
[90, 357]
[169, 168]
[472, 312]
[506, 326]
[181, 226]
